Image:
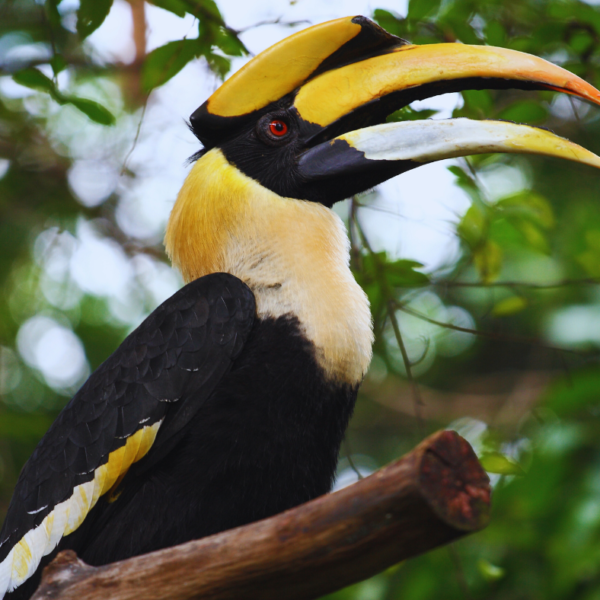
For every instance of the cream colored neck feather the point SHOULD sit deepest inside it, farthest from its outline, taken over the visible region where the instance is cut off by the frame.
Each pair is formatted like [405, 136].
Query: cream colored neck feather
[292, 254]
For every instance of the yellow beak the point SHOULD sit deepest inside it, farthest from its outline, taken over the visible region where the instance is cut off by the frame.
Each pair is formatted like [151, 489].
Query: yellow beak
[409, 73]
[338, 81]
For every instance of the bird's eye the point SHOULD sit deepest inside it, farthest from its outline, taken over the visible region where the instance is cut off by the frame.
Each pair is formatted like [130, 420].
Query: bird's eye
[275, 129]
[278, 127]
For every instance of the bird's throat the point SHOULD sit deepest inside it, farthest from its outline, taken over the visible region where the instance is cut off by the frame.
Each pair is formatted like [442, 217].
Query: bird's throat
[293, 254]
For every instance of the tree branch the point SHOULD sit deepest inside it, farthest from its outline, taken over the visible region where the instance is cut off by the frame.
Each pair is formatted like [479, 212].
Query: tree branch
[435, 494]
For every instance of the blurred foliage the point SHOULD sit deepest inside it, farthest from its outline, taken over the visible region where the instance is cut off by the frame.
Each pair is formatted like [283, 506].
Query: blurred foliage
[502, 340]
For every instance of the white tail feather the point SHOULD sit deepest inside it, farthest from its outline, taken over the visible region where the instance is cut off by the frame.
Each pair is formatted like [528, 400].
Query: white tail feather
[5, 574]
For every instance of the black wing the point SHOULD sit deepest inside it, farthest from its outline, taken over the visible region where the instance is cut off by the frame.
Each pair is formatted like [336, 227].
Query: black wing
[140, 398]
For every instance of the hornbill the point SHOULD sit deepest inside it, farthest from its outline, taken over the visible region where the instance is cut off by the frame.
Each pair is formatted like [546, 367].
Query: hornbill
[228, 404]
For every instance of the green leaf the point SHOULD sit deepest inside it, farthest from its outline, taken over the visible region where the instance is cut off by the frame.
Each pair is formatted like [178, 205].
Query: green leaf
[589, 259]
[398, 273]
[218, 64]
[527, 111]
[534, 237]
[478, 103]
[209, 8]
[165, 62]
[177, 7]
[488, 261]
[528, 205]
[228, 41]
[91, 15]
[464, 32]
[395, 24]
[529, 213]
[495, 34]
[376, 298]
[52, 13]
[466, 182]
[489, 571]
[560, 10]
[569, 396]
[58, 64]
[593, 18]
[402, 273]
[473, 227]
[410, 114]
[500, 464]
[461, 175]
[549, 32]
[34, 79]
[592, 239]
[96, 112]
[419, 9]
[581, 42]
[509, 306]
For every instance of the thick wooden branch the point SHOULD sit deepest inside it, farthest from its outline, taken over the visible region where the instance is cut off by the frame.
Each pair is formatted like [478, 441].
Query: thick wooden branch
[433, 495]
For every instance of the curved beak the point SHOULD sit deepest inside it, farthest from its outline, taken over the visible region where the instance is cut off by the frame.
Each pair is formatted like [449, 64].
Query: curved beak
[403, 146]
[341, 77]
[365, 92]
[407, 73]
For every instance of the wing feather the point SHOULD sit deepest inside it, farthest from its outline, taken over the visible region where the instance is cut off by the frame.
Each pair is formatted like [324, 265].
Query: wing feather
[134, 406]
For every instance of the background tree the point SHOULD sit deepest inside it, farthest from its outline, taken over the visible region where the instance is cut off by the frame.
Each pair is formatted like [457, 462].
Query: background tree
[499, 340]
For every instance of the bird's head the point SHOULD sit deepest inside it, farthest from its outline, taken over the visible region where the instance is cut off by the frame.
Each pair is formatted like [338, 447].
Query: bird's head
[306, 118]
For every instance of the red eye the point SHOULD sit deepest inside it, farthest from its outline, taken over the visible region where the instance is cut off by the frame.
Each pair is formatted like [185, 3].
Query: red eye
[278, 128]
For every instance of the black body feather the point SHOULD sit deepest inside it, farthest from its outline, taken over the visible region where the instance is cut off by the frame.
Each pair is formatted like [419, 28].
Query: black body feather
[251, 428]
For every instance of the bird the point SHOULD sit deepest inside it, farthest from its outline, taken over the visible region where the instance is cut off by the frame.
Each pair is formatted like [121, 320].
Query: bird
[229, 403]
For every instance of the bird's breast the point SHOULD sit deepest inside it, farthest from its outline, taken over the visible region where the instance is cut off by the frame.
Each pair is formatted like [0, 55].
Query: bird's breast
[296, 263]
[293, 254]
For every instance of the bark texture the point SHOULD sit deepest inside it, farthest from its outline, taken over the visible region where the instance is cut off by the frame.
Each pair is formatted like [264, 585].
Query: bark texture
[433, 495]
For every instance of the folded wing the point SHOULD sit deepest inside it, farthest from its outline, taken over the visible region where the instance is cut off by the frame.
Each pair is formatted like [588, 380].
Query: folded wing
[134, 406]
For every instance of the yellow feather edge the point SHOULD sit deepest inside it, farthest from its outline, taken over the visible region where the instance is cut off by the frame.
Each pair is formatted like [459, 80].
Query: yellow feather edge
[67, 516]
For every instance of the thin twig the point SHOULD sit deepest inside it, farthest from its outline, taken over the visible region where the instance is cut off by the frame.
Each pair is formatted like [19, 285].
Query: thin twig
[276, 21]
[136, 138]
[574, 109]
[349, 458]
[427, 343]
[566, 369]
[490, 334]
[48, 25]
[474, 174]
[354, 249]
[517, 284]
[418, 401]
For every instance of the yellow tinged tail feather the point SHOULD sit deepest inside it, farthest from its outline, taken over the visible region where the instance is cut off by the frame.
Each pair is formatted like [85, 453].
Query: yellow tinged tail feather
[24, 558]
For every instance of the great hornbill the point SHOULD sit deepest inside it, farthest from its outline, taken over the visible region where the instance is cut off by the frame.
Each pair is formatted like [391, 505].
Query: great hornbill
[228, 404]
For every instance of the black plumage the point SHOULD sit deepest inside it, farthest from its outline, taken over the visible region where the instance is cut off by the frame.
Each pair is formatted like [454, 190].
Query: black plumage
[248, 452]
[166, 369]
[246, 411]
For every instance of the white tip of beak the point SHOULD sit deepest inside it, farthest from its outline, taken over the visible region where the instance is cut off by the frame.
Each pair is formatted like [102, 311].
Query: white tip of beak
[428, 141]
